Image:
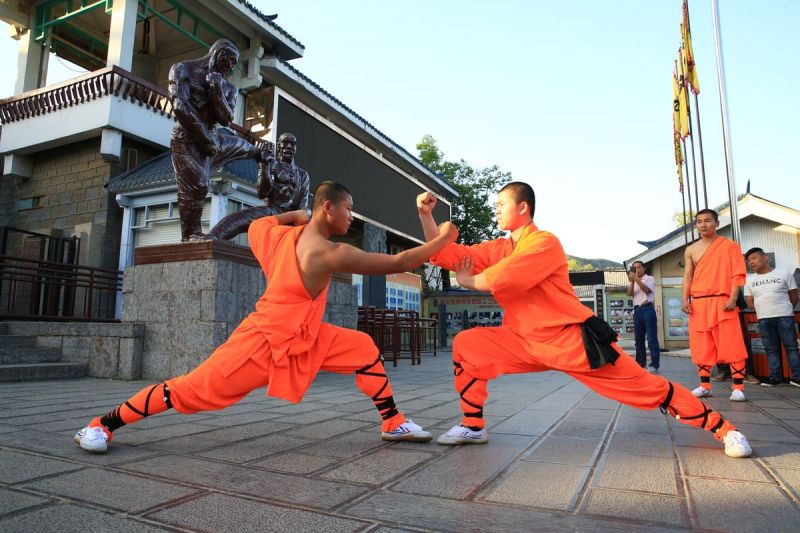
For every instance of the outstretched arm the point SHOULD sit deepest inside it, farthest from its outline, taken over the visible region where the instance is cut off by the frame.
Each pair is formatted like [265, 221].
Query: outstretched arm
[346, 258]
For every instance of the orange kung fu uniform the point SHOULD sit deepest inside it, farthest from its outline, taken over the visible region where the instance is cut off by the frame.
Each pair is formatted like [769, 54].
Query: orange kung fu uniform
[715, 335]
[541, 331]
[283, 343]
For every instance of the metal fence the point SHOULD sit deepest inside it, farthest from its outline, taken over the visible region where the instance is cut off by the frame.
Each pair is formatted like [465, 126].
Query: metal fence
[398, 334]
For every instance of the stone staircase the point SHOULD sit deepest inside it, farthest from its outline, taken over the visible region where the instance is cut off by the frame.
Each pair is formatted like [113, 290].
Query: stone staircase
[22, 360]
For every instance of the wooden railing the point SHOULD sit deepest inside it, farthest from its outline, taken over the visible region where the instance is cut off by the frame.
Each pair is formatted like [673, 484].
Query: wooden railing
[107, 81]
[35, 290]
[398, 334]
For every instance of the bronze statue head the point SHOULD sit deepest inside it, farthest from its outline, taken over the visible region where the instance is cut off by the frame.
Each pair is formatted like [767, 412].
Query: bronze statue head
[287, 147]
[222, 56]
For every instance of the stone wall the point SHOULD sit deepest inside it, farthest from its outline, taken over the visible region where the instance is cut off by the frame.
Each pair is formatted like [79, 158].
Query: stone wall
[188, 308]
[111, 350]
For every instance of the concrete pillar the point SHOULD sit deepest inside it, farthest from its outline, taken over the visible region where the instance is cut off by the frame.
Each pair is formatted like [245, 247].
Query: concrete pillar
[122, 34]
[110, 145]
[374, 286]
[31, 64]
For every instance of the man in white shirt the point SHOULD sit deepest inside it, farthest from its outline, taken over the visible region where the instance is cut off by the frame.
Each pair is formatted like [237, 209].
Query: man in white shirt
[772, 293]
[643, 290]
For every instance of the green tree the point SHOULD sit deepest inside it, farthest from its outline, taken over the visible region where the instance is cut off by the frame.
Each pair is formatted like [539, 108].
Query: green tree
[473, 210]
[677, 217]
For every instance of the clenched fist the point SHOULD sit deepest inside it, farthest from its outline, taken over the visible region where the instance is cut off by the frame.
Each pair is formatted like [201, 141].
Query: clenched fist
[449, 230]
[426, 201]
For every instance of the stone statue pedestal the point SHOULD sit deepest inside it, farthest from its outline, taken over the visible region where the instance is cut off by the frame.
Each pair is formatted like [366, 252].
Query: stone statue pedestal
[191, 296]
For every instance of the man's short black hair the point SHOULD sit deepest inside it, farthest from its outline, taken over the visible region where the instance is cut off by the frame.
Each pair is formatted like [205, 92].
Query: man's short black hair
[328, 190]
[522, 193]
[755, 250]
[711, 212]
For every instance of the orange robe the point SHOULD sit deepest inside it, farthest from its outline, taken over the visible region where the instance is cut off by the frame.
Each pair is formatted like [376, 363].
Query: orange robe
[715, 335]
[283, 343]
[541, 331]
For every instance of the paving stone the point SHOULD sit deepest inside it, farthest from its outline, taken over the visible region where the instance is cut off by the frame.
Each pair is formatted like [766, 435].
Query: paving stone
[346, 446]
[247, 431]
[379, 467]
[146, 436]
[327, 429]
[581, 429]
[115, 490]
[637, 506]
[784, 414]
[311, 417]
[446, 411]
[790, 478]
[440, 514]
[67, 517]
[12, 501]
[767, 508]
[19, 467]
[641, 444]
[771, 432]
[777, 454]
[564, 451]
[317, 493]
[714, 463]
[542, 485]
[528, 422]
[295, 463]
[62, 446]
[218, 512]
[690, 436]
[250, 450]
[460, 472]
[640, 424]
[751, 417]
[633, 472]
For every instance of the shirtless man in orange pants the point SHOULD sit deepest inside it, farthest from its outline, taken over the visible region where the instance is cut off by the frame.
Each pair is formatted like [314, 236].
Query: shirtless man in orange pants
[712, 279]
[545, 327]
[284, 343]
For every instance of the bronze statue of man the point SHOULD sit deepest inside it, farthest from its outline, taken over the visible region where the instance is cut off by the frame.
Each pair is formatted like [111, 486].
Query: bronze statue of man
[201, 143]
[281, 184]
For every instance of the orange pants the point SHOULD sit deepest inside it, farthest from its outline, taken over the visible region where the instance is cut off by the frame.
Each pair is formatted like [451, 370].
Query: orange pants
[721, 344]
[481, 354]
[207, 388]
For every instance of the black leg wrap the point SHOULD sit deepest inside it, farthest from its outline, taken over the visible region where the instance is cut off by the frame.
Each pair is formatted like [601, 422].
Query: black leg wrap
[738, 381]
[364, 369]
[167, 394]
[112, 421]
[705, 368]
[386, 407]
[717, 425]
[457, 369]
[739, 371]
[705, 379]
[704, 415]
[664, 407]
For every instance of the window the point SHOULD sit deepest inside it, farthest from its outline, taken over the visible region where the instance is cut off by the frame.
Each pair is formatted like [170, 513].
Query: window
[28, 203]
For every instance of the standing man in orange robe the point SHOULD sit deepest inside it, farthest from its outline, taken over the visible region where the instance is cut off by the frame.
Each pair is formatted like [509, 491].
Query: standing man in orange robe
[545, 327]
[712, 279]
[284, 343]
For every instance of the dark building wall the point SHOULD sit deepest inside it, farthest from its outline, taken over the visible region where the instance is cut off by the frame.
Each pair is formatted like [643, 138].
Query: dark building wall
[379, 192]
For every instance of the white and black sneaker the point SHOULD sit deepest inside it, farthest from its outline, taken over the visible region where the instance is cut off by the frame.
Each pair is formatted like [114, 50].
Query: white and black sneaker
[736, 445]
[407, 431]
[92, 439]
[463, 435]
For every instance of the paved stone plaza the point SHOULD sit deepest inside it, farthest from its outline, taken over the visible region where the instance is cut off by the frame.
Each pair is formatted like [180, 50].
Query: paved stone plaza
[559, 459]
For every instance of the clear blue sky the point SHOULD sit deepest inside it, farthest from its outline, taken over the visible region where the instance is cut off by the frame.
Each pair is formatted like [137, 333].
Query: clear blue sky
[573, 97]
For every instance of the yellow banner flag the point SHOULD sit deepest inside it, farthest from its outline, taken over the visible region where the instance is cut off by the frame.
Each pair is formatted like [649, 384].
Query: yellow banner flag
[680, 101]
[679, 161]
[688, 55]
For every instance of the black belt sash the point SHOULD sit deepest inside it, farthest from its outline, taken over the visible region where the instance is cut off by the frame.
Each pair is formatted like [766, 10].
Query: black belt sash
[597, 339]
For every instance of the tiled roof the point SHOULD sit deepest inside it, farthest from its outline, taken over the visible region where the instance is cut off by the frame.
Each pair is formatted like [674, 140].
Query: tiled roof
[269, 20]
[341, 104]
[159, 171]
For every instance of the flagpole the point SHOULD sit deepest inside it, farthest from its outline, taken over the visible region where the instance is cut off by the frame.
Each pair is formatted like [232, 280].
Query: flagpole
[702, 162]
[689, 188]
[683, 201]
[685, 87]
[699, 128]
[726, 138]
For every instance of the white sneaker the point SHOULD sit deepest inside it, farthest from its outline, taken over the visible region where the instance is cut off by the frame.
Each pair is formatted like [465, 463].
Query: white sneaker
[463, 435]
[737, 396]
[700, 392]
[736, 445]
[92, 439]
[407, 431]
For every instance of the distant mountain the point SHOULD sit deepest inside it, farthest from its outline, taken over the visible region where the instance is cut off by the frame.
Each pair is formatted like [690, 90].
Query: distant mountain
[581, 263]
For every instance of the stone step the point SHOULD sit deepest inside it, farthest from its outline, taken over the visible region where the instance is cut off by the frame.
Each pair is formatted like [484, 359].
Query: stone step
[11, 356]
[42, 371]
[3, 328]
[16, 341]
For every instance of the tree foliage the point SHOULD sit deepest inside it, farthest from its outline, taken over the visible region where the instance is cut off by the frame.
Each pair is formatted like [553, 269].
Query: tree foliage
[473, 210]
[677, 217]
